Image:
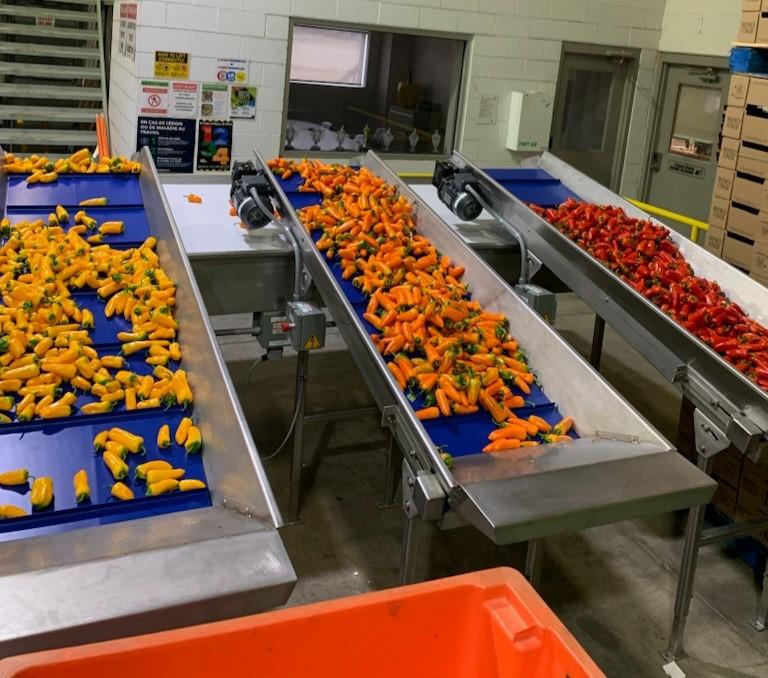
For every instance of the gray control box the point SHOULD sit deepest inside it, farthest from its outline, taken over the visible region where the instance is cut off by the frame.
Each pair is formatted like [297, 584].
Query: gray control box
[540, 300]
[306, 326]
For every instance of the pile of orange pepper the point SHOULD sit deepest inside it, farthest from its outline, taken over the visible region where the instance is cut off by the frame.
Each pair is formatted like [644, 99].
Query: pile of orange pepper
[441, 342]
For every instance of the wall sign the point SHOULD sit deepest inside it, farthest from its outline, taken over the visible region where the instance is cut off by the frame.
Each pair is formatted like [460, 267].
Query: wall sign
[129, 12]
[232, 70]
[45, 21]
[171, 142]
[153, 97]
[172, 65]
[488, 111]
[242, 101]
[183, 99]
[214, 101]
[214, 145]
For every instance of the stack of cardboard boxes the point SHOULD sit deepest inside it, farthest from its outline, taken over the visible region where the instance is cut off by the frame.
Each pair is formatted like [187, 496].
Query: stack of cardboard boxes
[738, 218]
[742, 485]
[754, 22]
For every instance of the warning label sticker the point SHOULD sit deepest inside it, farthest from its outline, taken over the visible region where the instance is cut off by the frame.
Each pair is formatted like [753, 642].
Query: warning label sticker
[312, 343]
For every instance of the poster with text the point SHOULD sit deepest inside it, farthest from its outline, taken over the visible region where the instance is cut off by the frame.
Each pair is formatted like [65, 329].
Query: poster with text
[172, 65]
[171, 142]
[214, 146]
[232, 70]
[183, 99]
[153, 98]
[242, 101]
[214, 101]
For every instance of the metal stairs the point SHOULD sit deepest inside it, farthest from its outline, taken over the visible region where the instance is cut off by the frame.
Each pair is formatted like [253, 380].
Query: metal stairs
[52, 78]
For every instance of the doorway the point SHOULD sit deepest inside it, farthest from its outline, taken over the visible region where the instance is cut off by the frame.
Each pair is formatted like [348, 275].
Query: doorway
[683, 163]
[593, 102]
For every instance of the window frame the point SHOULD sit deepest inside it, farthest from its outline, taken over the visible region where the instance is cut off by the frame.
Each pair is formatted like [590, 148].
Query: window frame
[345, 29]
[458, 103]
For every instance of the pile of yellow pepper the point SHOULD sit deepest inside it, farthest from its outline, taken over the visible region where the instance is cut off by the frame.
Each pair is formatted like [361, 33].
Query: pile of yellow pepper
[42, 170]
[45, 342]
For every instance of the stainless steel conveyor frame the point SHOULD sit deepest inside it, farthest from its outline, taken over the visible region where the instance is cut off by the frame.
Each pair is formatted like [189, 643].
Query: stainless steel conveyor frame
[627, 467]
[137, 576]
[730, 409]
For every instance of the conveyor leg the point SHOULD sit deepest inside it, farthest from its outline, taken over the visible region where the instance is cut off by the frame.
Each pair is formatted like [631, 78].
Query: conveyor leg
[691, 546]
[392, 473]
[597, 342]
[761, 623]
[533, 562]
[297, 462]
[409, 552]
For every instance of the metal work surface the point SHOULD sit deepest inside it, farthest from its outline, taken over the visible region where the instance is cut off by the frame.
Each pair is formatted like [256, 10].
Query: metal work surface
[152, 571]
[614, 438]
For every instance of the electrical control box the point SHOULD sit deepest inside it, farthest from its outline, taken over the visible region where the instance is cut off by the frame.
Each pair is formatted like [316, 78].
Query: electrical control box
[530, 120]
[306, 326]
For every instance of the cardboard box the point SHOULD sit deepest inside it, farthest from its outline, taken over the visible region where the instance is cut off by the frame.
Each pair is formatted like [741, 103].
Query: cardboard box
[762, 279]
[729, 153]
[738, 253]
[748, 27]
[718, 213]
[724, 183]
[751, 5]
[726, 499]
[760, 266]
[753, 486]
[752, 161]
[743, 221]
[737, 91]
[715, 241]
[748, 190]
[734, 122]
[727, 467]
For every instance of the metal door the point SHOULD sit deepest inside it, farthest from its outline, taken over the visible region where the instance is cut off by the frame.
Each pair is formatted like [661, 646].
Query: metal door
[592, 104]
[684, 160]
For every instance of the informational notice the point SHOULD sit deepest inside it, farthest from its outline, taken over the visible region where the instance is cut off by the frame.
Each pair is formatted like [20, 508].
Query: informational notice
[242, 101]
[172, 65]
[183, 99]
[153, 97]
[232, 70]
[130, 40]
[171, 142]
[214, 101]
[488, 111]
[214, 145]
[45, 20]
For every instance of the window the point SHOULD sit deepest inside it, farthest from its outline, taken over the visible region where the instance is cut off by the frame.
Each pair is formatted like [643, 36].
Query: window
[352, 90]
[329, 56]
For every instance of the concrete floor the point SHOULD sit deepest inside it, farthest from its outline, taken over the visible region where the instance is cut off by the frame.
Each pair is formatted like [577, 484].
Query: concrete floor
[612, 586]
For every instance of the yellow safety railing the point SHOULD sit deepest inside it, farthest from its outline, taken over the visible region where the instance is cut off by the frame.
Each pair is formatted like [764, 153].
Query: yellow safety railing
[695, 224]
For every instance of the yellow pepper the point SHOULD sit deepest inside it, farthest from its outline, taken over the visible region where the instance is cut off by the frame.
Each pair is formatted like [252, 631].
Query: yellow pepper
[122, 491]
[183, 429]
[131, 441]
[162, 487]
[154, 465]
[18, 476]
[117, 467]
[156, 475]
[191, 484]
[164, 437]
[10, 511]
[93, 202]
[80, 483]
[194, 442]
[41, 496]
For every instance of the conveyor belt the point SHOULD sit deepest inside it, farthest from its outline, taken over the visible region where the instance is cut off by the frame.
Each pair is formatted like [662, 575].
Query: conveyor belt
[77, 573]
[619, 468]
[731, 400]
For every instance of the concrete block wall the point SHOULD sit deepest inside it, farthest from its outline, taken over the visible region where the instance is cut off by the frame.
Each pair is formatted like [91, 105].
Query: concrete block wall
[514, 45]
[700, 26]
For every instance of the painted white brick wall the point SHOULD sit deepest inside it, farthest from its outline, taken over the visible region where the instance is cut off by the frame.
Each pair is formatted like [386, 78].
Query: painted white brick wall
[700, 26]
[514, 44]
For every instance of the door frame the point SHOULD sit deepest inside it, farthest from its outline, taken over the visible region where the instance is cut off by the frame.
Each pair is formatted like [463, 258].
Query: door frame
[665, 61]
[628, 97]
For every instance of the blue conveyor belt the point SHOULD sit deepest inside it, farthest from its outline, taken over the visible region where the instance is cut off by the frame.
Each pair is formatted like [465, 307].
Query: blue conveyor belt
[60, 447]
[458, 435]
[532, 185]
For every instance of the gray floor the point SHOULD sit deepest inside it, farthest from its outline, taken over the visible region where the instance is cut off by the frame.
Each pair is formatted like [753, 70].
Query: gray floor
[612, 586]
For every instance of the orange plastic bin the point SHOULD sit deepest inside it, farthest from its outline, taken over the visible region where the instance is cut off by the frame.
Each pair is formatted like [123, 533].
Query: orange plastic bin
[482, 625]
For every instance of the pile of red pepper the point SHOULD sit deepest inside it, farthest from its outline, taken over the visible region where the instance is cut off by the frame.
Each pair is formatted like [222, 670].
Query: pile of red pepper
[643, 254]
